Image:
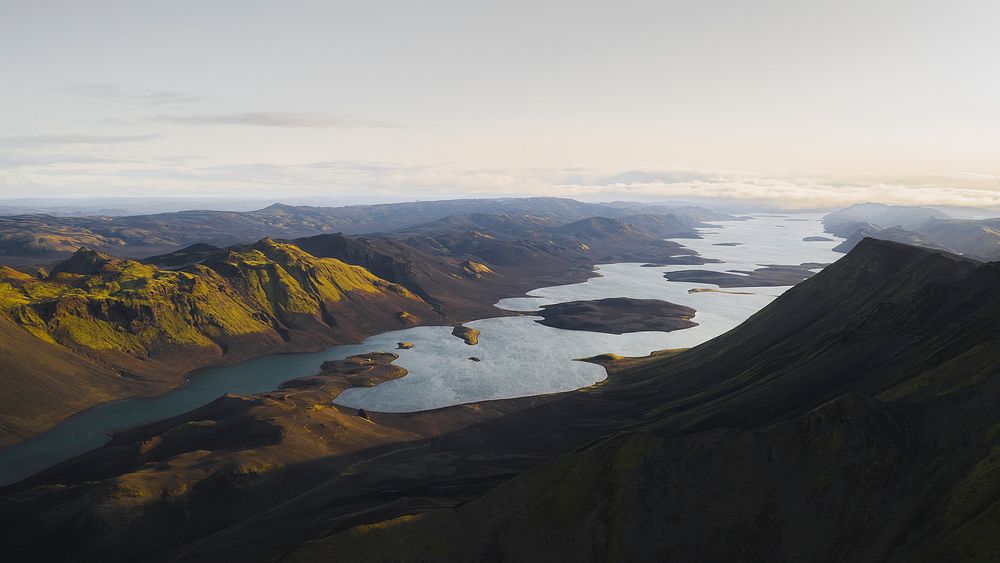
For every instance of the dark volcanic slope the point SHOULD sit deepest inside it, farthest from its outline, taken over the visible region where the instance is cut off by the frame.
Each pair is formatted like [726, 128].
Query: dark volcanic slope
[618, 315]
[852, 419]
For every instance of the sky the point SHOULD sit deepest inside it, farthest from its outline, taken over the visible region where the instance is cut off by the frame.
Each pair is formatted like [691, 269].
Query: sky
[796, 103]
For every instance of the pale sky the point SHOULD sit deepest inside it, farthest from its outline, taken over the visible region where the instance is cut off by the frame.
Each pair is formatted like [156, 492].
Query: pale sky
[795, 102]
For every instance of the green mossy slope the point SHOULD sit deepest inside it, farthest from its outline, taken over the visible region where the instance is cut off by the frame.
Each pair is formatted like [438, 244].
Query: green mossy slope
[153, 325]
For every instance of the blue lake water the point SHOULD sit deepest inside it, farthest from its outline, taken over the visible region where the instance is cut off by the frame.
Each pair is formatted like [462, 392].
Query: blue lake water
[519, 357]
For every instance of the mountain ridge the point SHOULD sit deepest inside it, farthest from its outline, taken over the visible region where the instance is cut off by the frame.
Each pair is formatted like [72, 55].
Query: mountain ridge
[47, 237]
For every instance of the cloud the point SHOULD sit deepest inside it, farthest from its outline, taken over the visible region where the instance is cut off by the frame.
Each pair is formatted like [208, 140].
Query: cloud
[979, 176]
[72, 139]
[279, 119]
[397, 181]
[114, 93]
[14, 160]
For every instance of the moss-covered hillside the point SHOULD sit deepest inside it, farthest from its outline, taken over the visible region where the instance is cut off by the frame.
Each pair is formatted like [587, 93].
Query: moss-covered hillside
[152, 324]
[106, 306]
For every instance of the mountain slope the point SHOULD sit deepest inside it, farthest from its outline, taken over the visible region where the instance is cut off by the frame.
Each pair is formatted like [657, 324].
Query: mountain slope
[975, 238]
[856, 479]
[24, 238]
[47, 237]
[43, 381]
[152, 326]
[844, 222]
[663, 226]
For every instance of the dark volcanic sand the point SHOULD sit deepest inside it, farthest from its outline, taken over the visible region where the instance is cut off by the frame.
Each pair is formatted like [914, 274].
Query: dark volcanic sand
[618, 315]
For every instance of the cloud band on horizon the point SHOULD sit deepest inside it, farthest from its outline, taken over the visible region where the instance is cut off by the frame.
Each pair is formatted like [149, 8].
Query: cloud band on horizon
[278, 119]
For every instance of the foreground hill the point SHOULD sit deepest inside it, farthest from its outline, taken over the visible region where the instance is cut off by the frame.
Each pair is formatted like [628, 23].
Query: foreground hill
[850, 419]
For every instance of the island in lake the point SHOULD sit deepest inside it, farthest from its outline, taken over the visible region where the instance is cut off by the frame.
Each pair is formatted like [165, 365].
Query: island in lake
[769, 275]
[618, 315]
[713, 290]
[469, 335]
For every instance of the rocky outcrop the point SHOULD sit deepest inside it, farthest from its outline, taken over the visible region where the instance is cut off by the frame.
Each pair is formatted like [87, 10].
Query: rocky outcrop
[469, 335]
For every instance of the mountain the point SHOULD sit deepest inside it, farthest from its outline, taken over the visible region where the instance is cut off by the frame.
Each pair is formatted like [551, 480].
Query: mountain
[663, 226]
[853, 418]
[978, 239]
[690, 215]
[597, 228]
[451, 284]
[975, 238]
[894, 234]
[46, 237]
[844, 222]
[150, 326]
[526, 240]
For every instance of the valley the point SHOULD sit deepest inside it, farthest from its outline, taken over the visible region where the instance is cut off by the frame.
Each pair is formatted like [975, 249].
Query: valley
[457, 282]
[440, 371]
[479, 407]
[395, 485]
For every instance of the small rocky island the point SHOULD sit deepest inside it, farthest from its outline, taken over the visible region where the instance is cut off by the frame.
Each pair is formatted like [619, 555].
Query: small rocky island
[767, 276]
[618, 315]
[714, 290]
[469, 335]
[361, 370]
[817, 239]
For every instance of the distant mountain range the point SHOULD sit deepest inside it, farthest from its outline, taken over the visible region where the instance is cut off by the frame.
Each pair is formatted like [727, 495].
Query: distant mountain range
[45, 237]
[921, 226]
